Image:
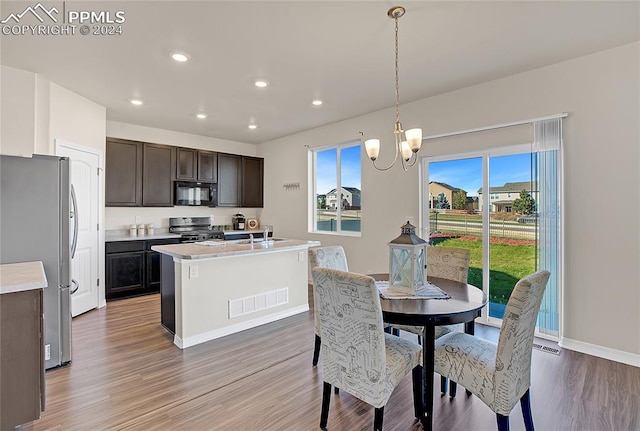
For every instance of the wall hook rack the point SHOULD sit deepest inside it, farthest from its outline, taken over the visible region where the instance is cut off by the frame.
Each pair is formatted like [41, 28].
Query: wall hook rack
[291, 186]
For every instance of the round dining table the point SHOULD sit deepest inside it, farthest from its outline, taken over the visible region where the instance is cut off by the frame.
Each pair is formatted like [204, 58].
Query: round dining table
[464, 306]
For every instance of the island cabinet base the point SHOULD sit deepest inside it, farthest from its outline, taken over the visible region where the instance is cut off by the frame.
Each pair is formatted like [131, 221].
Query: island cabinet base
[205, 299]
[167, 293]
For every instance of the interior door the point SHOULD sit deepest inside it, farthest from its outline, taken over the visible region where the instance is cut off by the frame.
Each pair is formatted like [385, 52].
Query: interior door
[84, 265]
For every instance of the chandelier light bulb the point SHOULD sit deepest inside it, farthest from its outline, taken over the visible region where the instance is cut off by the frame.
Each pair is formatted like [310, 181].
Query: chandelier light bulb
[414, 139]
[406, 151]
[372, 146]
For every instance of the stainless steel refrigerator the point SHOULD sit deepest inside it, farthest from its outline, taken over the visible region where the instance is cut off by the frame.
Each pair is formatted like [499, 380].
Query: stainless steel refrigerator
[36, 224]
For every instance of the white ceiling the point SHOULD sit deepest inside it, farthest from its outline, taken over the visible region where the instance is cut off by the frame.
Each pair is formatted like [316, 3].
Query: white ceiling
[340, 52]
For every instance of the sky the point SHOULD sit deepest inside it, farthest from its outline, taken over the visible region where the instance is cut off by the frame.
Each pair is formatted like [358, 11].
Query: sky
[351, 169]
[466, 174]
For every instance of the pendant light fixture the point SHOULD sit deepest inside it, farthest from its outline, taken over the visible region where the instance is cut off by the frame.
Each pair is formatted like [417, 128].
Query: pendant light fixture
[409, 144]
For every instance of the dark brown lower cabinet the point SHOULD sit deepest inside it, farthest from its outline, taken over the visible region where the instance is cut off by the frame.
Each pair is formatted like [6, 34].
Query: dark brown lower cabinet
[132, 268]
[21, 358]
[168, 294]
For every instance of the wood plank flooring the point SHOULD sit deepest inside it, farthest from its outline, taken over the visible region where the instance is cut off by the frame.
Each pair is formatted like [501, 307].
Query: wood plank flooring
[126, 374]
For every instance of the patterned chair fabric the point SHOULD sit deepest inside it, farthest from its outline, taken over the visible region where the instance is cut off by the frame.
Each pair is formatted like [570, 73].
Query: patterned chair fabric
[357, 355]
[499, 374]
[332, 257]
[451, 263]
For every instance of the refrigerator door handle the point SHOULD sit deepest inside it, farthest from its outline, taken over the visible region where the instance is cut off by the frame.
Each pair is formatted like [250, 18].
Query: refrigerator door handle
[75, 286]
[74, 216]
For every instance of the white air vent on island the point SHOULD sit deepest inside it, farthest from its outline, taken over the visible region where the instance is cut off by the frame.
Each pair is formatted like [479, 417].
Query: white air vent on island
[262, 301]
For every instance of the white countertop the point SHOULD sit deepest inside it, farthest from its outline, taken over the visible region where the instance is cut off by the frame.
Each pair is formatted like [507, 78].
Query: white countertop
[228, 249]
[123, 235]
[18, 277]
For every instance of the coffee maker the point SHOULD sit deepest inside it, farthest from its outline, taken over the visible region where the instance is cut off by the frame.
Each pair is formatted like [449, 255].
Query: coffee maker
[238, 221]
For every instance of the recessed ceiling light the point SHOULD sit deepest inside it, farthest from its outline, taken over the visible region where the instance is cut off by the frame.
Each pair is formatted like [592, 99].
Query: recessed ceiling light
[317, 102]
[201, 115]
[136, 102]
[180, 57]
[260, 83]
[252, 126]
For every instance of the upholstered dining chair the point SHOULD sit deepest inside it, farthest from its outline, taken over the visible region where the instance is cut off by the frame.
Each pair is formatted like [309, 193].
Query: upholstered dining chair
[357, 355]
[451, 263]
[499, 374]
[332, 257]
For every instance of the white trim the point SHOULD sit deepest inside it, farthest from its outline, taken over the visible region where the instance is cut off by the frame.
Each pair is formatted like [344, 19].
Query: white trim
[312, 163]
[496, 126]
[600, 351]
[237, 327]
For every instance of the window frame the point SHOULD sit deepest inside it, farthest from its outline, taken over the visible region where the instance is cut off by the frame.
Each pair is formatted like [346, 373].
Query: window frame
[313, 191]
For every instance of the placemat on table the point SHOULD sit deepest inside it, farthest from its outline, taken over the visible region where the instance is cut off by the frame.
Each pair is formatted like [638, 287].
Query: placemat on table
[428, 291]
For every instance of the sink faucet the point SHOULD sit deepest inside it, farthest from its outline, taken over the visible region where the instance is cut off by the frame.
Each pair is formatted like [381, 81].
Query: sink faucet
[265, 235]
[251, 237]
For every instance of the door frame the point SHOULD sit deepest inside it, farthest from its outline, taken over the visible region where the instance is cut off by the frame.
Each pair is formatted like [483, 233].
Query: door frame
[60, 143]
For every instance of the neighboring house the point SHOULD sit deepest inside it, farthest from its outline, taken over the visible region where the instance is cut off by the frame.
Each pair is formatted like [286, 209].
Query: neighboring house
[501, 198]
[349, 198]
[435, 188]
[473, 203]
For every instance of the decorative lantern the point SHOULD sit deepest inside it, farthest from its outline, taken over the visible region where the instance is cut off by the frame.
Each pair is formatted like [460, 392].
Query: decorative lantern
[407, 258]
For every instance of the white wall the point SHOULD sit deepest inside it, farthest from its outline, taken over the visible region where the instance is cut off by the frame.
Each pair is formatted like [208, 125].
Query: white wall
[118, 218]
[36, 111]
[17, 112]
[601, 303]
[178, 139]
[76, 119]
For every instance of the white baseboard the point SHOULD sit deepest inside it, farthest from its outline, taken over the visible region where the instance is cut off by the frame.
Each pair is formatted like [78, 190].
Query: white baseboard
[237, 327]
[601, 352]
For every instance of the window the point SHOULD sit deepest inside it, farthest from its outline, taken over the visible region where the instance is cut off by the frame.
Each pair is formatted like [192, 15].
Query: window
[336, 196]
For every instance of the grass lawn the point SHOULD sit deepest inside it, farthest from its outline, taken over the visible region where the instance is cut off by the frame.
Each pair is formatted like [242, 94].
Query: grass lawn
[508, 264]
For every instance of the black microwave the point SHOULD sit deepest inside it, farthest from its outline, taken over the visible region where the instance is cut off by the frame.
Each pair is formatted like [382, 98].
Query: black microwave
[195, 194]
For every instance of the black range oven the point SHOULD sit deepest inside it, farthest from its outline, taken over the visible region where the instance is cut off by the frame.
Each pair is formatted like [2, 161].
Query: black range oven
[193, 229]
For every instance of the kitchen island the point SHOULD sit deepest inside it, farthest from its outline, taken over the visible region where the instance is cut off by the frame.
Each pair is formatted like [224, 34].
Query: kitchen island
[21, 343]
[216, 288]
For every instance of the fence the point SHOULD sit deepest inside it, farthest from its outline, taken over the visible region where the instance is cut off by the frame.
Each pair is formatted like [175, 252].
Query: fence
[471, 225]
[331, 225]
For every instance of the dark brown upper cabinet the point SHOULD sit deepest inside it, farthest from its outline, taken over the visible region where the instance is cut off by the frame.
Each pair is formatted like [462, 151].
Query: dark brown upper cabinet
[186, 160]
[123, 173]
[196, 165]
[138, 174]
[229, 180]
[252, 182]
[207, 166]
[158, 166]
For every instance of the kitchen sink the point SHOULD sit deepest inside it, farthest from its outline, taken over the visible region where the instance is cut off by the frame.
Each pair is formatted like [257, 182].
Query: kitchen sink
[257, 241]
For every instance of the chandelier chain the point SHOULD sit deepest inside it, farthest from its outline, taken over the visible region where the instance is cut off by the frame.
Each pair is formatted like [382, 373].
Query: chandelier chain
[397, 73]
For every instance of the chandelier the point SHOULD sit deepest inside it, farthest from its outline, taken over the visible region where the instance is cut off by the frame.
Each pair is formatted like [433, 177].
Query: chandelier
[410, 145]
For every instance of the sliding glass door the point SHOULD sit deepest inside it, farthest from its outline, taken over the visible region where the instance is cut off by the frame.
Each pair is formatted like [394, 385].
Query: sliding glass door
[512, 228]
[504, 206]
